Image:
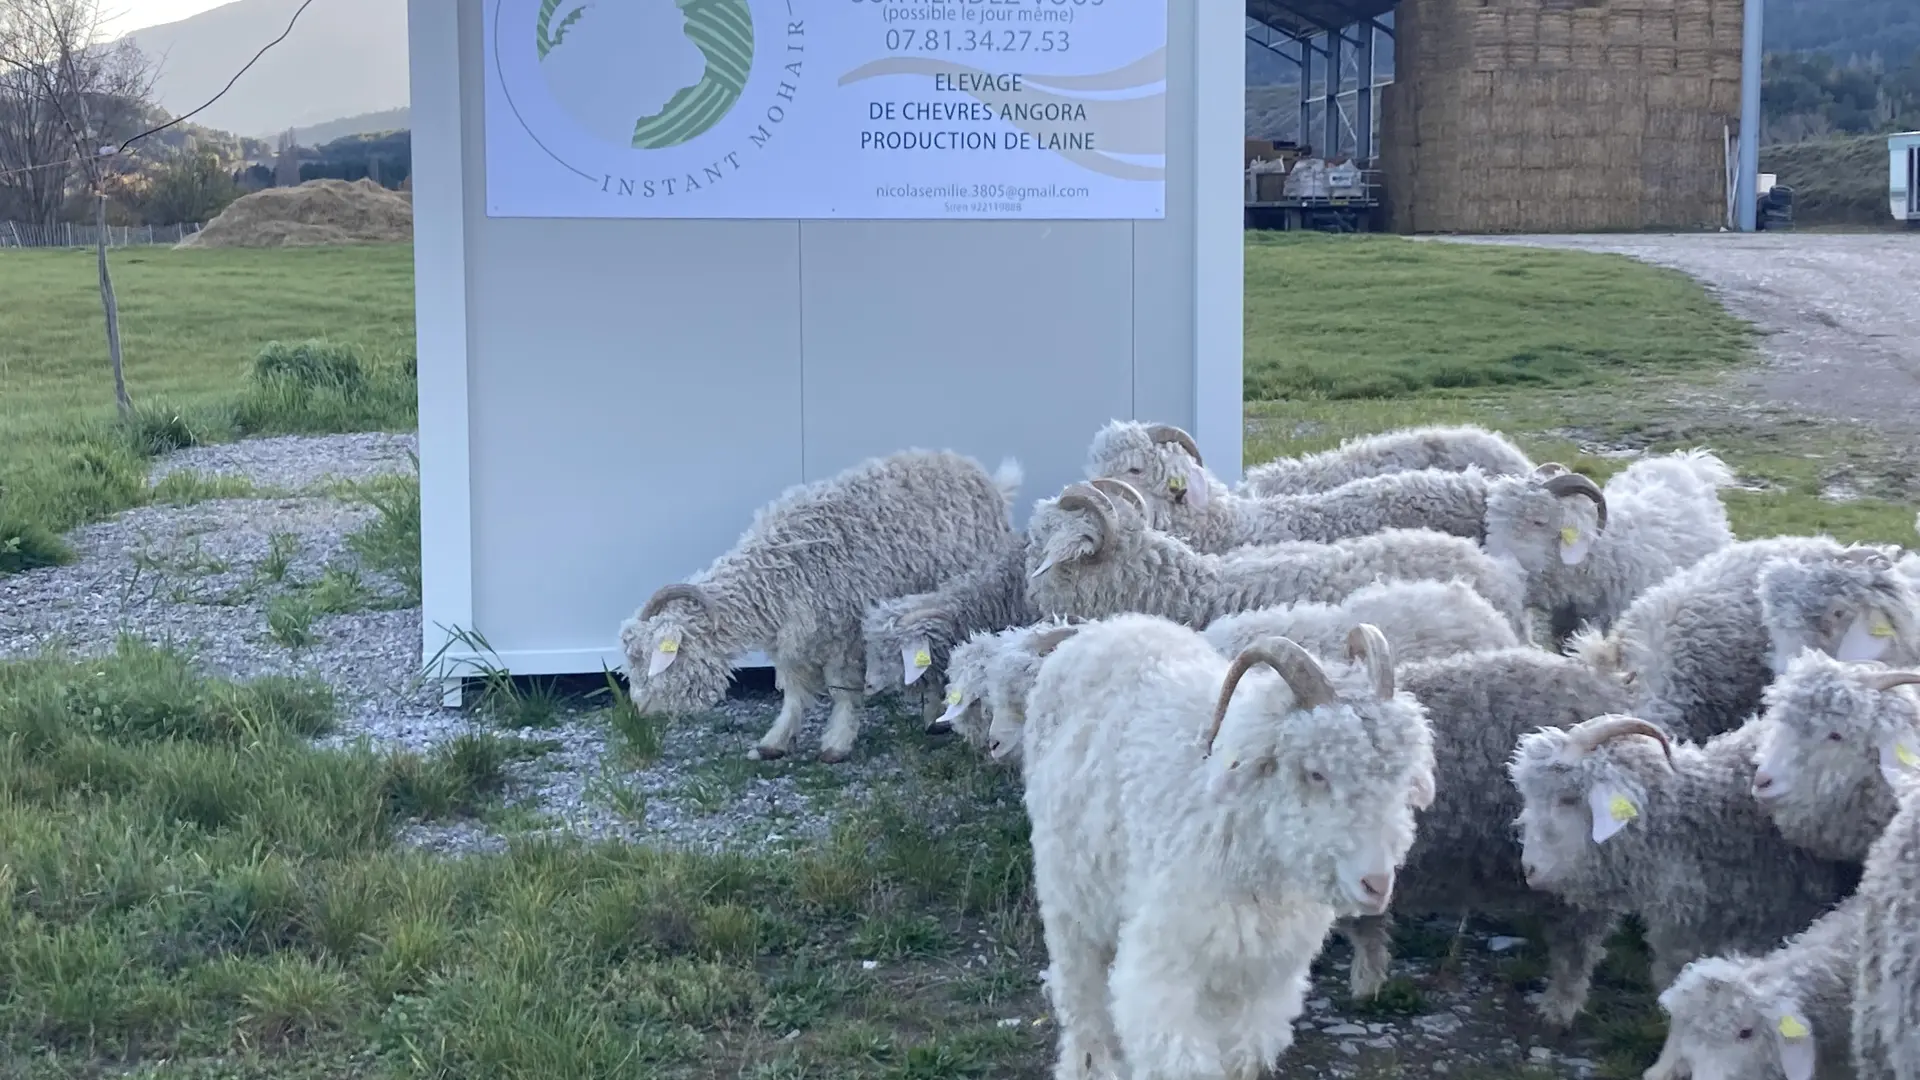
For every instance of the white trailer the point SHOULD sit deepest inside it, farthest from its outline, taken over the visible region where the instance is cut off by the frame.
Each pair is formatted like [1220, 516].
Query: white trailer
[1903, 176]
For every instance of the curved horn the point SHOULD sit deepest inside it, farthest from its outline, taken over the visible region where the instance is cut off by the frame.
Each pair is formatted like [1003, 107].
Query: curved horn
[667, 594]
[1047, 640]
[1589, 736]
[1115, 486]
[1167, 433]
[1296, 666]
[925, 615]
[1088, 497]
[1872, 557]
[1575, 484]
[1368, 645]
[1887, 680]
[1547, 469]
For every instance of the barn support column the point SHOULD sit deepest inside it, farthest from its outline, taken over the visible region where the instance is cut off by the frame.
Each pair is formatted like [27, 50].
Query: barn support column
[1333, 95]
[1745, 206]
[1363, 99]
[1306, 89]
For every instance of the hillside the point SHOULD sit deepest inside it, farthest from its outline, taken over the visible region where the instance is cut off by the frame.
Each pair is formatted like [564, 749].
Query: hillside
[1834, 181]
[1889, 29]
[344, 58]
[364, 124]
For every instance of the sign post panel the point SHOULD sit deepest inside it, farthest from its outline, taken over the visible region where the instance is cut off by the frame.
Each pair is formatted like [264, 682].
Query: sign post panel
[804, 109]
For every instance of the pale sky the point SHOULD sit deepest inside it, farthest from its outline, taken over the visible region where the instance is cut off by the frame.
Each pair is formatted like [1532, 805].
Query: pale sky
[134, 14]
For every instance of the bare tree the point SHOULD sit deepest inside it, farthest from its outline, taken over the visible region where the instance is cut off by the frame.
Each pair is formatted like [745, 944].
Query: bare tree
[77, 99]
[55, 70]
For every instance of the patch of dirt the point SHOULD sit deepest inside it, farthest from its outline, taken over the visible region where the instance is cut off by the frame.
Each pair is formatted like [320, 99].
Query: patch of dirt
[1839, 312]
[318, 212]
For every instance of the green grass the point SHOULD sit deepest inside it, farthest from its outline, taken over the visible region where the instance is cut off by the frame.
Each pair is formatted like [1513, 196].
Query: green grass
[1381, 317]
[217, 345]
[190, 321]
[190, 889]
[188, 880]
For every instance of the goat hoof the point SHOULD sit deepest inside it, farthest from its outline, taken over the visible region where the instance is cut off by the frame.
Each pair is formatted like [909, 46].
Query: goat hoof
[833, 757]
[766, 753]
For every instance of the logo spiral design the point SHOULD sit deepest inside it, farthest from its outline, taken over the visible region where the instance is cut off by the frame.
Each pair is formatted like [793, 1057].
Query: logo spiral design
[723, 32]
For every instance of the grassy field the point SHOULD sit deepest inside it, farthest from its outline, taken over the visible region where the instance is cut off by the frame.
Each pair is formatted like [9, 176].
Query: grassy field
[190, 889]
[1836, 181]
[194, 324]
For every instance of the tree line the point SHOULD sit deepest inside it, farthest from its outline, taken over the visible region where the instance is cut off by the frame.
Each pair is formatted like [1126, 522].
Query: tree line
[67, 93]
[1812, 95]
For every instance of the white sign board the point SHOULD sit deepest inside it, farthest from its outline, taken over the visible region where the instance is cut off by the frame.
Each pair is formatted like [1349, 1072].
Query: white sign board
[826, 108]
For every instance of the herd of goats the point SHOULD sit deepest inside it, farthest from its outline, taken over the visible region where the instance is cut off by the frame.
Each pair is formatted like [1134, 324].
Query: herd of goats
[1417, 673]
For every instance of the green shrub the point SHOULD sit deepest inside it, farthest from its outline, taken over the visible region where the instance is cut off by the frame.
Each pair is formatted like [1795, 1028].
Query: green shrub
[27, 546]
[310, 364]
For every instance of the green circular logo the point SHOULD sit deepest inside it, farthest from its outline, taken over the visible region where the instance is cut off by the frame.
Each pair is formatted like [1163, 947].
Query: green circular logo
[721, 30]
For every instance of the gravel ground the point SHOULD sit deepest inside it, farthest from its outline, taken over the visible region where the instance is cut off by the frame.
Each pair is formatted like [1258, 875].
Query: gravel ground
[199, 577]
[1839, 311]
[298, 462]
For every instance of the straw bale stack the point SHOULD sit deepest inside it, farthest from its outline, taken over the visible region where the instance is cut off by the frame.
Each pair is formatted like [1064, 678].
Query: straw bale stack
[1560, 115]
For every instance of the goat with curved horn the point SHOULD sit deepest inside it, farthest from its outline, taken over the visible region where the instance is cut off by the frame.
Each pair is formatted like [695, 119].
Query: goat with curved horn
[667, 594]
[1573, 483]
[1084, 496]
[1296, 666]
[1367, 644]
[1590, 735]
[1167, 433]
[1887, 680]
[1047, 640]
[1115, 486]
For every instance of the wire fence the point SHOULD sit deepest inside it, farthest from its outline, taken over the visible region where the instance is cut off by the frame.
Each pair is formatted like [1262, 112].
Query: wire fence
[18, 234]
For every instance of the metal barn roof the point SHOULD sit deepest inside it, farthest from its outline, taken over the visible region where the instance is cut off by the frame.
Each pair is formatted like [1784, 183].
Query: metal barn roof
[1300, 18]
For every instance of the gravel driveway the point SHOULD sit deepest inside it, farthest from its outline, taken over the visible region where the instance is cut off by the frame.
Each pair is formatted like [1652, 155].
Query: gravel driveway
[1841, 312]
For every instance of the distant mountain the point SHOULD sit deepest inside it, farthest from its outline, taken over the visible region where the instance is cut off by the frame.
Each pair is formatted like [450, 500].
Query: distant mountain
[1845, 29]
[344, 58]
[365, 124]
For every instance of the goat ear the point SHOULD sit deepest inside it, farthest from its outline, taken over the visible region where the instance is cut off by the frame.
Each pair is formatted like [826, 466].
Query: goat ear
[1422, 793]
[916, 657]
[1612, 810]
[1793, 1039]
[1899, 759]
[1869, 638]
[665, 652]
[944, 722]
[1575, 543]
[1196, 486]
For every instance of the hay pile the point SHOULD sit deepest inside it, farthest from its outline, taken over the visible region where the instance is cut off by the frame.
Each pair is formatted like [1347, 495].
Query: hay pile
[1560, 115]
[315, 213]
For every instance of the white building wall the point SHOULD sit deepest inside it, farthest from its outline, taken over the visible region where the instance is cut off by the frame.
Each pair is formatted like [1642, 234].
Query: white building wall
[604, 403]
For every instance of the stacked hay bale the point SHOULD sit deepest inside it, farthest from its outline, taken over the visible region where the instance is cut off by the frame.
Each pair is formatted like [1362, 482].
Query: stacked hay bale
[1560, 115]
[316, 213]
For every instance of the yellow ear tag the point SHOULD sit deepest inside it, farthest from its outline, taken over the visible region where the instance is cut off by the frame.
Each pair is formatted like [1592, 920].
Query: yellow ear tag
[921, 659]
[1176, 482]
[1904, 755]
[953, 697]
[1881, 627]
[1621, 808]
[1569, 535]
[1791, 1027]
[670, 646]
